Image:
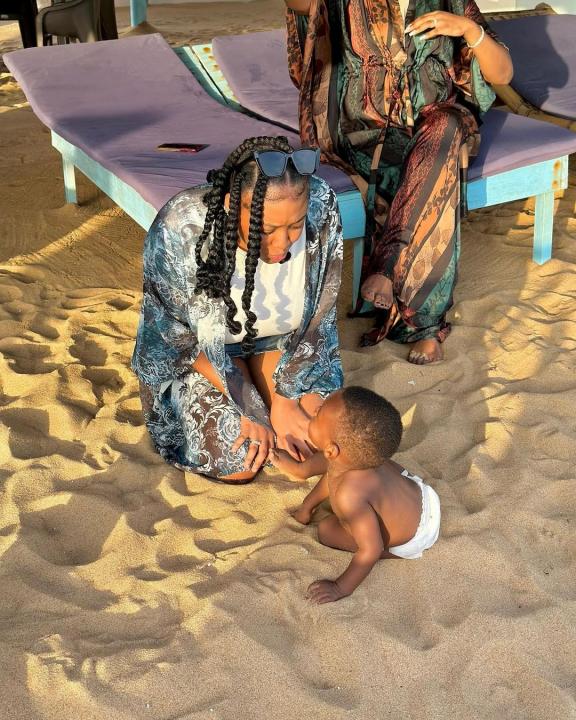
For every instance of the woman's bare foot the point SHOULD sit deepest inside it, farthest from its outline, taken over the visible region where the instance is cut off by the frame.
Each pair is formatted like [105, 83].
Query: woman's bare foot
[425, 352]
[378, 290]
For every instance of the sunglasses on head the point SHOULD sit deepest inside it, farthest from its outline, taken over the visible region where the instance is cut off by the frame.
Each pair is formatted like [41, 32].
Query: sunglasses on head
[272, 163]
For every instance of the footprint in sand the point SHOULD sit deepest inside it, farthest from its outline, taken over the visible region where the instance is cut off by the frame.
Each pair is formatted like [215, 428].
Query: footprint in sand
[98, 652]
[121, 303]
[148, 575]
[54, 534]
[130, 411]
[29, 435]
[87, 350]
[215, 546]
[43, 325]
[153, 518]
[299, 635]
[103, 380]
[27, 358]
[9, 293]
[180, 563]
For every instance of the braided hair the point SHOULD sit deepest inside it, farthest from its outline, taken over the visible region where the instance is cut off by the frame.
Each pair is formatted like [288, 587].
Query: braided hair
[218, 241]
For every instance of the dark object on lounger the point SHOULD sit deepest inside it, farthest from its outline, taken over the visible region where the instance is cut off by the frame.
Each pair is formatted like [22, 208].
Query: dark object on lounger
[25, 12]
[83, 20]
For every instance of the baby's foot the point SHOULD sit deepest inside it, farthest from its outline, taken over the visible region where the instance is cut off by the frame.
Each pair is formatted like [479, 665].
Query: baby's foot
[302, 515]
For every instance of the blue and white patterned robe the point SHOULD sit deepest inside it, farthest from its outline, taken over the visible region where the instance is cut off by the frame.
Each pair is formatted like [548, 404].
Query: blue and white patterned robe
[192, 424]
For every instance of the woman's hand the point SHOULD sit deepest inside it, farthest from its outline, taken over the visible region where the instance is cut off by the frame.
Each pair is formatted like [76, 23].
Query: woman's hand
[260, 439]
[493, 58]
[444, 23]
[290, 424]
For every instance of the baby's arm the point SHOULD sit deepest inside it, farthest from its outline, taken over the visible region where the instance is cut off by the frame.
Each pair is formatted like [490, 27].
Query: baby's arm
[312, 466]
[361, 522]
[317, 495]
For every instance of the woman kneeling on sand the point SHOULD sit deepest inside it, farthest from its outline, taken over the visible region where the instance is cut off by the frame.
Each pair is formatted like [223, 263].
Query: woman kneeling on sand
[237, 343]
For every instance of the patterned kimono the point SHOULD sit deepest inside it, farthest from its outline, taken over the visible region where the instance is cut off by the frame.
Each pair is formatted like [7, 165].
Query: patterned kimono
[193, 425]
[367, 88]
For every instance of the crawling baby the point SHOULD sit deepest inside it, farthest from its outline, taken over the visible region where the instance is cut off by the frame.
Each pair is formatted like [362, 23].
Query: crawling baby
[379, 510]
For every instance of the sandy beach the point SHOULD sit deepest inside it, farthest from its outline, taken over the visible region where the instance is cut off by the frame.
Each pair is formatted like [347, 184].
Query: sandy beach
[131, 591]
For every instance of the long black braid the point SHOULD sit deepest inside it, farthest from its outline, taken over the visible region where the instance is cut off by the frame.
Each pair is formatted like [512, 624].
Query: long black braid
[214, 274]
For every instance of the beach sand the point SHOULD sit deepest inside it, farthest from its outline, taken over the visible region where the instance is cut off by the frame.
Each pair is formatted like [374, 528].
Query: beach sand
[131, 591]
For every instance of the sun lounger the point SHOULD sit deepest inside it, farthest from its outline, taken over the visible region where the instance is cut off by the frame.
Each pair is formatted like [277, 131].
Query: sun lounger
[543, 48]
[110, 104]
[519, 157]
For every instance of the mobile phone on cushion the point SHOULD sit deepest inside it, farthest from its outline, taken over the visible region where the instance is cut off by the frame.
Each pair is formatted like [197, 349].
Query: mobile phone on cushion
[181, 147]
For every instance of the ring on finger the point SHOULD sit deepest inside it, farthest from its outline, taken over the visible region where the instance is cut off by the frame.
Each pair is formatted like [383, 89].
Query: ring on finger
[255, 442]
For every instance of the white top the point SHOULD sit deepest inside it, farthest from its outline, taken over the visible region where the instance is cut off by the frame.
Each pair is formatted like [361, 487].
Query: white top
[278, 297]
[404, 7]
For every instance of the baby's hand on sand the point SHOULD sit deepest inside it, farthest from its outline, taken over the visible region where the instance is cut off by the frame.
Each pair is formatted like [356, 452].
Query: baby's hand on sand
[285, 462]
[324, 591]
[303, 515]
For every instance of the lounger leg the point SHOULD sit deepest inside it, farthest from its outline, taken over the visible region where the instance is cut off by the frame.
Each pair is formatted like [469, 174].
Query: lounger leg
[138, 12]
[358, 254]
[69, 181]
[543, 227]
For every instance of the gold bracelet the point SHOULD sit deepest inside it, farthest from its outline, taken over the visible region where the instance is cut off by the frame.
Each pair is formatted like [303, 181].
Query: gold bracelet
[482, 35]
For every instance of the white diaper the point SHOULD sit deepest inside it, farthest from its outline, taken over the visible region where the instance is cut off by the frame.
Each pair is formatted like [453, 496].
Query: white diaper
[429, 526]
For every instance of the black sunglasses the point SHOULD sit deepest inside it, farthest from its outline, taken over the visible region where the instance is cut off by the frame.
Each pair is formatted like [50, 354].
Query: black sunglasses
[273, 162]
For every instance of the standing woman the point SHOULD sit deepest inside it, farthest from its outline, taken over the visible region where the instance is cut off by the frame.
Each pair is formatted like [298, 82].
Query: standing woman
[392, 92]
[237, 342]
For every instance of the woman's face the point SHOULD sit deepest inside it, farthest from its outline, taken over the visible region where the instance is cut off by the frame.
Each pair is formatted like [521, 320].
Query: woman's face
[284, 216]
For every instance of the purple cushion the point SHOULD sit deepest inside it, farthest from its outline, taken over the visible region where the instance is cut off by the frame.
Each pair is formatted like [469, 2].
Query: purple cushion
[255, 66]
[118, 100]
[511, 141]
[543, 49]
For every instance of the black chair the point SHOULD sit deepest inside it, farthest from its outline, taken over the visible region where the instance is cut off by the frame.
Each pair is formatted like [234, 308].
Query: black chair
[25, 12]
[82, 20]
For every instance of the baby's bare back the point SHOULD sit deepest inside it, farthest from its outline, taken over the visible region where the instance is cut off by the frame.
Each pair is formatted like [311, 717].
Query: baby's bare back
[396, 499]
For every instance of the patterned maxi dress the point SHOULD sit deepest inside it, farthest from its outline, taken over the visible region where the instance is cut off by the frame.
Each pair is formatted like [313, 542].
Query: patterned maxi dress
[363, 82]
[193, 425]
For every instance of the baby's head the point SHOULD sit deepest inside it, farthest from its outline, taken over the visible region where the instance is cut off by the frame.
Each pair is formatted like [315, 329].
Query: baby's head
[357, 426]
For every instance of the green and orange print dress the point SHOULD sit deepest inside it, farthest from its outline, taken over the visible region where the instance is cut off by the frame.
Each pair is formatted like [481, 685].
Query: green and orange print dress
[362, 83]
